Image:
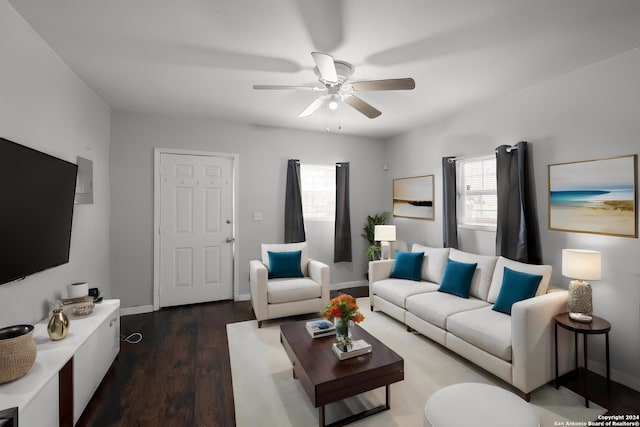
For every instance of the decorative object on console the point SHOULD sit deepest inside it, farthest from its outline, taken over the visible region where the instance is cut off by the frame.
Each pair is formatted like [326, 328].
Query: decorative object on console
[58, 326]
[594, 196]
[582, 265]
[413, 197]
[76, 290]
[343, 310]
[17, 352]
[385, 234]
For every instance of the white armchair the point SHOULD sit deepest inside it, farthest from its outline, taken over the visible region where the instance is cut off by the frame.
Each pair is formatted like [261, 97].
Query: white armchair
[290, 296]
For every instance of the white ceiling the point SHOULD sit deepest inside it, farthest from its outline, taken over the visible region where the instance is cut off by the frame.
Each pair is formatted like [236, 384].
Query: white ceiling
[200, 58]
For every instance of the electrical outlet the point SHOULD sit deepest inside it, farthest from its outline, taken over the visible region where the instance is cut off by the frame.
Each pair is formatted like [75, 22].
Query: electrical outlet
[257, 216]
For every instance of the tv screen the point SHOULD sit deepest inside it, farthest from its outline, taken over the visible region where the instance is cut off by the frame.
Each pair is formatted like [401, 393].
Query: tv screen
[36, 210]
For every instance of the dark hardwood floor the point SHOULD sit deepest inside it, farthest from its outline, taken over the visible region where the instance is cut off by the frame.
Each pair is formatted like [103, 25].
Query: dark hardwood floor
[180, 375]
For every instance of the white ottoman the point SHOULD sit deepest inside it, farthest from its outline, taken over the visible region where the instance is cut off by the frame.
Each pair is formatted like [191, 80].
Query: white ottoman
[474, 404]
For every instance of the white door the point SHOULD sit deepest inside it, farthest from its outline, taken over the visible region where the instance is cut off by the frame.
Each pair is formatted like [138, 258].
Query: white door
[196, 230]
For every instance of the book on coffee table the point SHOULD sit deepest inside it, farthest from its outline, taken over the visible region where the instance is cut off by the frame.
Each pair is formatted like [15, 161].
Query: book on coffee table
[358, 348]
[320, 328]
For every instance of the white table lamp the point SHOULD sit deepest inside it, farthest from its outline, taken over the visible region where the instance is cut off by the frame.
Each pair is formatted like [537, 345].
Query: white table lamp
[385, 234]
[582, 265]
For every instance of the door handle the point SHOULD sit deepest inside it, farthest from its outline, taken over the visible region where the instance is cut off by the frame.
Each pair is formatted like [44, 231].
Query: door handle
[229, 239]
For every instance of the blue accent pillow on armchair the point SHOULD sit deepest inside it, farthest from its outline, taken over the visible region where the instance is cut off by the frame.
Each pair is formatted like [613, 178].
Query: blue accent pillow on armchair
[516, 286]
[457, 278]
[284, 264]
[407, 265]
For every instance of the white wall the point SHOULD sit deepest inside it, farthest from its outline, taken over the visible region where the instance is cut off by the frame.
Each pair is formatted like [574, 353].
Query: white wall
[45, 106]
[589, 114]
[263, 153]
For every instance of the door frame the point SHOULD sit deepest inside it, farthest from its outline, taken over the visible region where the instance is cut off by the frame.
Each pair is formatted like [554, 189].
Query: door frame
[157, 153]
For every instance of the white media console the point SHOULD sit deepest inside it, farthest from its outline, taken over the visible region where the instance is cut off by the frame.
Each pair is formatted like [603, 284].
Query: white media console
[66, 373]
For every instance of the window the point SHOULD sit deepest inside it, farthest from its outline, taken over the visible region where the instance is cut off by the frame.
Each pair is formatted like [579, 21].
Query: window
[318, 186]
[477, 194]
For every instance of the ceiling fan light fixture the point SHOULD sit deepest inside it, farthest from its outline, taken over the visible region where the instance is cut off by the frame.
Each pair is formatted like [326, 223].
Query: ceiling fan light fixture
[333, 75]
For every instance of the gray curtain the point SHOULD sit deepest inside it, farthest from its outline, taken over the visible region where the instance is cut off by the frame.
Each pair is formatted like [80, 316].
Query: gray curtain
[449, 213]
[517, 233]
[342, 236]
[293, 220]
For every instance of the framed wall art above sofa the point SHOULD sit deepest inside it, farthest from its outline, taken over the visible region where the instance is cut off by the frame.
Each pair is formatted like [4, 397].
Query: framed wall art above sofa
[595, 196]
[413, 197]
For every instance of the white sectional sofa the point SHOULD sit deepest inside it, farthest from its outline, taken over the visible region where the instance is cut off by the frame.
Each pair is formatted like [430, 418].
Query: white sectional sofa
[518, 348]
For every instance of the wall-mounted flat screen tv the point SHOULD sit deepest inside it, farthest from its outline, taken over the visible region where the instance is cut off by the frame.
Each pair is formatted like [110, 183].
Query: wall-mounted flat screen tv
[36, 210]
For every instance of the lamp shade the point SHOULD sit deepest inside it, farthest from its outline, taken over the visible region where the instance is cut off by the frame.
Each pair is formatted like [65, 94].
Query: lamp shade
[385, 233]
[581, 264]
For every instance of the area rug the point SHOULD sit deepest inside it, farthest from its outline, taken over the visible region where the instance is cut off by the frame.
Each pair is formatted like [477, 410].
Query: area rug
[265, 392]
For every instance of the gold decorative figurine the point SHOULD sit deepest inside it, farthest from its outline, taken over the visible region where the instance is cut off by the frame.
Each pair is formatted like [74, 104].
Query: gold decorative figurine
[58, 326]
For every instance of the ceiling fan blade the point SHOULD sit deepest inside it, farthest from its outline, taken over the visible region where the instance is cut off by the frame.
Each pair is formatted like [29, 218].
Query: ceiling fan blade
[313, 107]
[287, 87]
[365, 108]
[389, 84]
[325, 65]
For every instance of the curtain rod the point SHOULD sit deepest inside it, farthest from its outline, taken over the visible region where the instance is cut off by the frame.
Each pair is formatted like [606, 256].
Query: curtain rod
[455, 159]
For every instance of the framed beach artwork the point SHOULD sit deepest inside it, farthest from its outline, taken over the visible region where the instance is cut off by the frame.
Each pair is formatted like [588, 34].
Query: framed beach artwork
[595, 196]
[413, 197]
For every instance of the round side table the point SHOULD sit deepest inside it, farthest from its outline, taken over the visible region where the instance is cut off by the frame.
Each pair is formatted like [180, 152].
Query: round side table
[597, 326]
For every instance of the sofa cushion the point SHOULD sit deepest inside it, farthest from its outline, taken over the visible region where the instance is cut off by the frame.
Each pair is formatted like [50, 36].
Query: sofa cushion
[284, 264]
[457, 278]
[483, 274]
[436, 307]
[516, 286]
[496, 281]
[396, 291]
[288, 290]
[434, 262]
[485, 328]
[407, 265]
[287, 247]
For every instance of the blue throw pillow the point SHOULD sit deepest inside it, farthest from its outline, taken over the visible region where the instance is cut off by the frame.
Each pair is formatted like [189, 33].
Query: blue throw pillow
[407, 265]
[516, 286]
[457, 278]
[284, 264]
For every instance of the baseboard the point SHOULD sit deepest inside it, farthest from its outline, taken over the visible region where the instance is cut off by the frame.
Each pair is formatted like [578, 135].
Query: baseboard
[243, 297]
[345, 285]
[138, 309]
[617, 376]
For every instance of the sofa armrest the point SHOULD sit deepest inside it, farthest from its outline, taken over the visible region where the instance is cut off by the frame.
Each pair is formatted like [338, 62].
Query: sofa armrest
[532, 340]
[378, 270]
[320, 272]
[258, 276]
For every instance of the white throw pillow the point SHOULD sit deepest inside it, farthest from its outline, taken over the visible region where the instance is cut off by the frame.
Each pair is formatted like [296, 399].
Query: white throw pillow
[434, 263]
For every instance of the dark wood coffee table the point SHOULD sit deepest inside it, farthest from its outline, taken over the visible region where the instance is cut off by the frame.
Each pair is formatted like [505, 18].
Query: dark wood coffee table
[327, 379]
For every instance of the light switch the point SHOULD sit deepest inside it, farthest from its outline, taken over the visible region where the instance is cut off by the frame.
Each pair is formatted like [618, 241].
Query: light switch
[257, 216]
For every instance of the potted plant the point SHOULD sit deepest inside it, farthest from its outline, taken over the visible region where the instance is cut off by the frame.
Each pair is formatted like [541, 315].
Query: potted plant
[368, 232]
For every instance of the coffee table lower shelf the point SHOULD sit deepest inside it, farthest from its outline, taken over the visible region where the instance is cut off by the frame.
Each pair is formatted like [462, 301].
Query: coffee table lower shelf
[326, 379]
[358, 416]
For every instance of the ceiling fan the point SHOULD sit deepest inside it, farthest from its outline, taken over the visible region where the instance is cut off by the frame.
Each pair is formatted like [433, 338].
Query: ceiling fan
[333, 75]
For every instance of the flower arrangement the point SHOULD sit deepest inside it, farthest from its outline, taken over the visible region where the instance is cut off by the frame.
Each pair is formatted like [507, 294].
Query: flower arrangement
[343, 307]
[343, 310]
